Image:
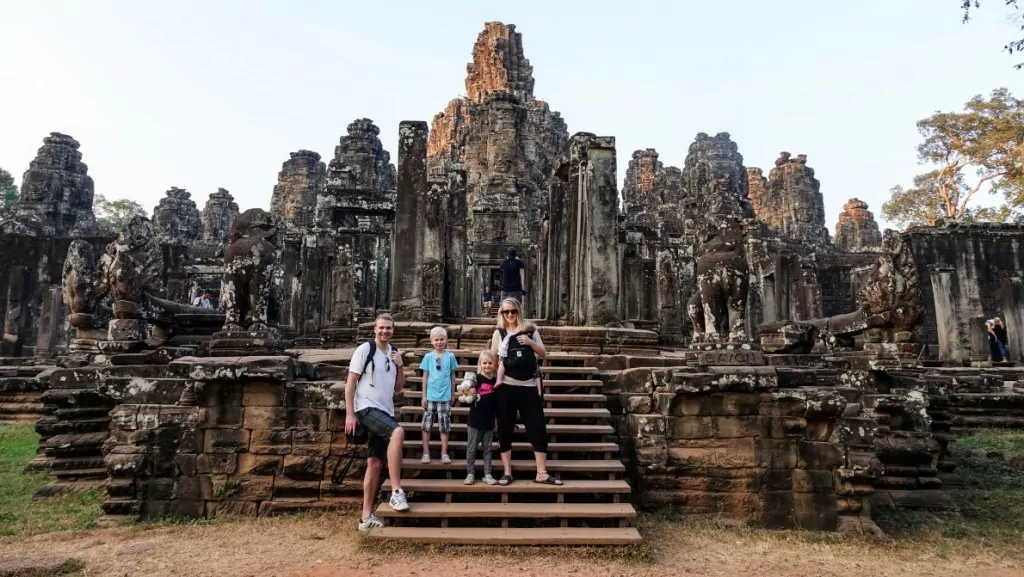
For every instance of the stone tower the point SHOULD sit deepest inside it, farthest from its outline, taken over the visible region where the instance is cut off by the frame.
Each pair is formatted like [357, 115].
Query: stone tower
[176, 218]
[857, 230]
[300, 180]
[218, 214]
[56, 193]
[507, 142]
[791, 203]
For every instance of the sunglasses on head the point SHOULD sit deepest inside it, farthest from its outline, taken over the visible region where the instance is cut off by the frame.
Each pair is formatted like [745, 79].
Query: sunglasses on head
[510, 312]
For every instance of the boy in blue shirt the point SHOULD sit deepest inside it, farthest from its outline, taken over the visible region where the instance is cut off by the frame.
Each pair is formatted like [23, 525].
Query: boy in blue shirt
[438, 366]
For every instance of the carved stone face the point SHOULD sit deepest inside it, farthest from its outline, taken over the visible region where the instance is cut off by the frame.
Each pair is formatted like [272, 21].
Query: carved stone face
[137, 233]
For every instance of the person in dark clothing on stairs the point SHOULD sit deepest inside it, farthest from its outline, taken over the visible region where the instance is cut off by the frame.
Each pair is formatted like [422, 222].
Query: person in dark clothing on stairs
[512, 272]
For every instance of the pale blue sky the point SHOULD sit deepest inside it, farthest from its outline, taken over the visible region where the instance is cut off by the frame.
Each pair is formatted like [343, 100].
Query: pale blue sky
[203, 94]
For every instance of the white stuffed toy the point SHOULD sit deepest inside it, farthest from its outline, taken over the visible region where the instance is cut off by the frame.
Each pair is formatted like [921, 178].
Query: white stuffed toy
[467, 393]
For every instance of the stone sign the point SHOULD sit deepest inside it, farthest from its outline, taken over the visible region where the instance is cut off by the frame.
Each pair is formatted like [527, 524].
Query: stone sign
[729, 357]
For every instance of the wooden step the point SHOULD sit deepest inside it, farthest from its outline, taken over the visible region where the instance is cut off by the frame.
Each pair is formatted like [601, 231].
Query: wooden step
[557, 465]
[547, 382]
[552, 447]
[512, 511]
[548, 397]
[550, 413]
[510, 536]
[520, 485]
[547, 370]
[412, 427]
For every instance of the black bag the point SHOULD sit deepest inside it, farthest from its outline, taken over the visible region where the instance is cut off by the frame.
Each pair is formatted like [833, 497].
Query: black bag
[370, 355]
[521, 363]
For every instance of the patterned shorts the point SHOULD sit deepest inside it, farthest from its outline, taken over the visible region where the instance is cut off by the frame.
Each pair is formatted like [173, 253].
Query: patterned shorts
[379, 425]
[444, 416]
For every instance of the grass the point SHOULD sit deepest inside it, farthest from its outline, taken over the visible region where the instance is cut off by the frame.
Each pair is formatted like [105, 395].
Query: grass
[1004, 440]
[20, 514]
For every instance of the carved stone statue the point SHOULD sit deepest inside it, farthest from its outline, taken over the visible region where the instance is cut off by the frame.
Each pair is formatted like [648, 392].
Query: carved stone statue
[250, 261]
[131, 266]
[782, 159]
[718, 312]
[79, 280]
[892, 288]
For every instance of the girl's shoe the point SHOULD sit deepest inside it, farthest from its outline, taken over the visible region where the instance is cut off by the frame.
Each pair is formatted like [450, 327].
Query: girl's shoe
[490, 480]
[446, 460]
[425, 459]
[470, 479]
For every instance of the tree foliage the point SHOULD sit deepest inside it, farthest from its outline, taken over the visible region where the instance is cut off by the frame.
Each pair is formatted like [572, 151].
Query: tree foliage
[8, 192]
[1016, 45]
[981, 148]
[113, 215]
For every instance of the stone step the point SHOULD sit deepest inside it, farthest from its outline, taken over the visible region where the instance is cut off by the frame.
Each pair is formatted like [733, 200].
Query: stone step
[548, 397]
[557, 465]
[510, 536]
[549, 413]
[552, 447]
[412, 427]
[615, 486]
[512, 511]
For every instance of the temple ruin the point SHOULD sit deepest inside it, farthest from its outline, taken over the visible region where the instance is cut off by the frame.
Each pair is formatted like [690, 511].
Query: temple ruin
[713, 347]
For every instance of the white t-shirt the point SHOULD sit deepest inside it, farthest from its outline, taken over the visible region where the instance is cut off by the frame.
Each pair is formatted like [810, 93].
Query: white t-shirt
[379, 394]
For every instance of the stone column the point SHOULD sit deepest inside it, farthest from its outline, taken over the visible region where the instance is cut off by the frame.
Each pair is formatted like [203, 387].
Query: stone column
[50, 321]
[669, 306]
[432, 251]
[945, 314]
[407, 261]
[602, 263]
[1013, 316]
[979, 343]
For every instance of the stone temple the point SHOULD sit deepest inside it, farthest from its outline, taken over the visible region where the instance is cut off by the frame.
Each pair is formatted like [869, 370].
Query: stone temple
[712, 345]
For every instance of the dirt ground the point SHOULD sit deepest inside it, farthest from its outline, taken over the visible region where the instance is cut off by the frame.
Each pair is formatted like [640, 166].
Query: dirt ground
[328, 546]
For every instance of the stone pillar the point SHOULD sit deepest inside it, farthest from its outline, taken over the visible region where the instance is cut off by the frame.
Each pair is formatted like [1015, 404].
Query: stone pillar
[50, 321]
[456, 302]
[945, 315]
[432, 251]
[669, 305]
[980, 356]
[407, 262]
[17, 287]
[1013, 316]
[602, 268]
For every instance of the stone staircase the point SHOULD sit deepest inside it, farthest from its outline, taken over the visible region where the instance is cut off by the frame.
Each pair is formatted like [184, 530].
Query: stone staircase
[590, 508]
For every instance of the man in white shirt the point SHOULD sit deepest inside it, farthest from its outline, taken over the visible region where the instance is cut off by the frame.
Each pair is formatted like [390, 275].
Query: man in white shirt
[369, 401]
[204, 300]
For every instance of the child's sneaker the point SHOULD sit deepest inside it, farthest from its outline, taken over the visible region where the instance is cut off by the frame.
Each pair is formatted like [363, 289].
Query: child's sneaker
[490, 480]
[398, 502]
[470, 479]
[370, 523]
[425, 459]
[446, 460]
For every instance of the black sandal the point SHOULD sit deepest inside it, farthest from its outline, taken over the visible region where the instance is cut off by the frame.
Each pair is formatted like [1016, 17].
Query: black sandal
[550, 480]
[505, 480]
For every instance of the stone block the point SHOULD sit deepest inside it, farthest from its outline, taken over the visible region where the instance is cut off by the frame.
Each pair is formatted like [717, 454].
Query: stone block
[647, 430]
[777, 479]
[315, 419]
[184, 417]
[271, 442]
[253, 464]
[185, 464]
[164, 465]
[637, 404]
[265, 394]
[232, 509]
[683, 405]
[150, 509]
[125, 417]
[815, 511]
[119, 465]
[736, 453]
[689, 428]
[148, 417]
[271, 368]
[303, 468]
[265, 418]
[692, 454]
[739, 506]
[120, 488]
[735, 404]
[731, 427]
[251, 487]
[810, 481]
[293, 489]
[226, 441]
[777, 453]
[217, 464]
[187, 508]
[220, 394]
[220, 416]
[778, 509]
[199, 487]
[654, 457]
[814, 455]
[306, 442]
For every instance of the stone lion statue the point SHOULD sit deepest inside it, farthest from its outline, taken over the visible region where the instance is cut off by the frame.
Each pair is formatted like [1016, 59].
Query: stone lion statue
[892, 286]
[248, 292]
[718, 310]
[132, 265]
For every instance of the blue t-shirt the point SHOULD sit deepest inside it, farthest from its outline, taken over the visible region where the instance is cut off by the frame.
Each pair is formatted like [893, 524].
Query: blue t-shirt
[439, 382]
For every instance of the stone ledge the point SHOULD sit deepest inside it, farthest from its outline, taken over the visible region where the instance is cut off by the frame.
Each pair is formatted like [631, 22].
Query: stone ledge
[274, 368]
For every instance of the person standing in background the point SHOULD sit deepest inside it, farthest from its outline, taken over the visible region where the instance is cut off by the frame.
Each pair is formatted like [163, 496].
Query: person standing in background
[512, 272]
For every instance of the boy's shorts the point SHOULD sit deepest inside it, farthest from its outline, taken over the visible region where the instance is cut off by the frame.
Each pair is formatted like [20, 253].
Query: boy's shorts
[444, 416]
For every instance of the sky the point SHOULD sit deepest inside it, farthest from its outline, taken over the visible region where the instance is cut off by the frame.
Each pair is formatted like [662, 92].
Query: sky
[202, 94]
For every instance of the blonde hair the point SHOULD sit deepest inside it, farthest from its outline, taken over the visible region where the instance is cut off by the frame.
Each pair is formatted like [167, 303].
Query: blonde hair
[384, 317]
[502, 323]
[484, 355]
[438, 332]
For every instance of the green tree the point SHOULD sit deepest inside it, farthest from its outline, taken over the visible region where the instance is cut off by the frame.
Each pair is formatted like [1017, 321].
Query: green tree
[981, 147]
[113, 215]
[1017, 17]
[8, 192]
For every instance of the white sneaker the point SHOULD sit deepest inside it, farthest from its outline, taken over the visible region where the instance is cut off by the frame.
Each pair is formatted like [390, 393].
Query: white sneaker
[470, 479]
[398, 502]
[370, 523]
[425, 459]
[446, 460]
[490, 480]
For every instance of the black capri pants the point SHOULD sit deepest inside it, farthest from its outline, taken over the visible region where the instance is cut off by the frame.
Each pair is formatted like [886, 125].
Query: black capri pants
[524, 401]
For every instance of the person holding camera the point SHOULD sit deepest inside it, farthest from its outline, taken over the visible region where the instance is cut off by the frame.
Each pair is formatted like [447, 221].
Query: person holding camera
[375, 377]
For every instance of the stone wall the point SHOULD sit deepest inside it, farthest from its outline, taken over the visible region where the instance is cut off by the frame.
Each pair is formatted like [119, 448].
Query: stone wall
[968, 271]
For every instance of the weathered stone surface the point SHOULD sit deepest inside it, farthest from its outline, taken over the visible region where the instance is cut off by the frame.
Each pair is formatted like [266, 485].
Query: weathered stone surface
[218, 214]
[892, 286]
[499, 64]
[176, 218]
[56, 193]
[248, 294]
[718, 311]
[39, 566]
[791, 203]
[360, 161]
[857, 230]
[301, 179]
